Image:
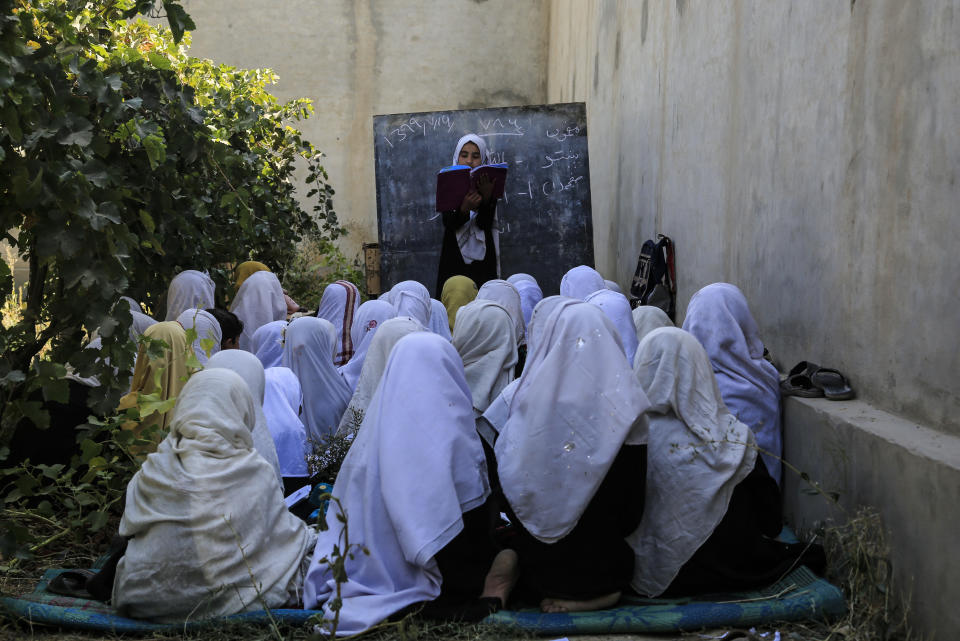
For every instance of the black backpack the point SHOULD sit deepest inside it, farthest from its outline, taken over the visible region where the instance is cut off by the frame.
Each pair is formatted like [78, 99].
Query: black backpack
[655, 281]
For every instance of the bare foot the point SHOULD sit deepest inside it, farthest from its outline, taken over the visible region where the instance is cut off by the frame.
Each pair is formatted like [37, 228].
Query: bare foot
[567, 605]
[503, 575]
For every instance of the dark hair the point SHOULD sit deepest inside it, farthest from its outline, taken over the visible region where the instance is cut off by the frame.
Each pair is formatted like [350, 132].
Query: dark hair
[230, 325]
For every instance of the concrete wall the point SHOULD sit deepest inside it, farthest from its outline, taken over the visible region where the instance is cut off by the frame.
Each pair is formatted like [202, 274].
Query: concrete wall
[806, 151]
[355, 59]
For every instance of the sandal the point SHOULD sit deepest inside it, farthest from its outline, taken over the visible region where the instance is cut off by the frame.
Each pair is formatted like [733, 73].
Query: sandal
[798, 382]
[834, 384]
[72, 583]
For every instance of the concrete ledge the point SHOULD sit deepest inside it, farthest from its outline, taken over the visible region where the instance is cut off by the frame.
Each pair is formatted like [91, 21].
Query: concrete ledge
[910, 473]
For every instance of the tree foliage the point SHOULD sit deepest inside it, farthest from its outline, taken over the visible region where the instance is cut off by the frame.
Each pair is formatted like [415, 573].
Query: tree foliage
[122, 161]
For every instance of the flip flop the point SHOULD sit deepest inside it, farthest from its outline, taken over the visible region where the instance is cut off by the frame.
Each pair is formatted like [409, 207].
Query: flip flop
[834, 384]
[803, 367]
[799, 385]
[71, 583]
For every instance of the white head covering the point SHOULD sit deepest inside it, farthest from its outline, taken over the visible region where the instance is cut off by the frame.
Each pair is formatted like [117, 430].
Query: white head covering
[415, 467]
[612, 286]
[308, 351]
[520, 277]
[207, 327]
[410, 298]
[248, 367]
[281, 404]
[339, 303]
[538, 321]
[500, 291]
[259, 301]
[647, 318]
[485, 339]
[697, 454]
[580, 282]
[189, 511]
[617, 308]
[471, 239]
[577, 403]
[530, 295]
[189, 289]
[267, 343]
[388, 333]
[367, 320]
[439, 322]
[719, 317]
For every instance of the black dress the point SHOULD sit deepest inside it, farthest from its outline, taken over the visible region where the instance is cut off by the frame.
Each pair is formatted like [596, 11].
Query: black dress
[594, 559]
[451, 260]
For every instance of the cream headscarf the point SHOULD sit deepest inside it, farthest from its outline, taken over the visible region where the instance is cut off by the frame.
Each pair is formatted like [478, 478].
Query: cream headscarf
[486, 341]
[207, 327]
[189, 289]
[697, 453]
[259, 301]
[208, 532]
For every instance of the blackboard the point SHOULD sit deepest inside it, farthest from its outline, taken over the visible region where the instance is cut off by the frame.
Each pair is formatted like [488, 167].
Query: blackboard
[545, 218]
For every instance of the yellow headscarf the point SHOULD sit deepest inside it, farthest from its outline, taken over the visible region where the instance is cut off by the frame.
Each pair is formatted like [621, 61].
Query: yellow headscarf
[173, 364]
[457, 292]
[245, 270]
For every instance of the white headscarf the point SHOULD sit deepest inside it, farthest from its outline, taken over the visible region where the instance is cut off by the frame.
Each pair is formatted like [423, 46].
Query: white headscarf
[189, 289]
[368, 319]
[267, 343]
[580, 282]
[439, 323]
[410, 298]
[697, 454]
[576, 405]
[647, 318]
[339, 303]
[281, 404]
[612, 286]
[189, 510]
[500, 291]
[259, 301]
[530, 293]
[617, 308]
[388, 333]
[248, 367]
[485, 338]
[415, 467]
[719, 317]
[470, 238]
[308, 351]
[207, 327]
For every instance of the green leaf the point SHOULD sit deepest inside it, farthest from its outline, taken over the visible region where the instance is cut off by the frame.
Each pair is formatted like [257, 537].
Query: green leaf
[90, 449]
[97, 520]
[178, 19]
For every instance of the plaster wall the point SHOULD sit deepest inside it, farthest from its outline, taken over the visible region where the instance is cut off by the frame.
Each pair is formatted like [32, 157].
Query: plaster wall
[355, 59]
[806, 151]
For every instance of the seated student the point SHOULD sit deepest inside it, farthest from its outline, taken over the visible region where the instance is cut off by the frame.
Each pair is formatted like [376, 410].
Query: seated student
[710, 504]
[410, 298]
[439, 324]
[369, 318]
[194, 549]
[571, 459]
[414, 491]
[719, 317]
[485, 338]
[617, 308]
[207, 328]
[258, 302]
[507, 295]
[530, 293]
[581, 281]
[647, 318]
[230, 327]
[189, 288]
[338, 305]
[457, 292]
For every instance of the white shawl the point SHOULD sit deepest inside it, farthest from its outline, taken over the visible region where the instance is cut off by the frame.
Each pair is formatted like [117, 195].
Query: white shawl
[530, 293]
[500, 291]
[281, 404]
[374, 363]
[470, 238]
[339, 303]
[267, 343]
[196, 552]
[617, 308]
[697, 454]
[485, 339]
[439, 322]
[308, 351]
[576, 405]
[410, 298]
[367, 320]
[415, 467]
[647, 318]
[207, 327]
[250, 370]
[580, 282]
[190, 288]
[259, 301]
[719, 317]
[612, 286]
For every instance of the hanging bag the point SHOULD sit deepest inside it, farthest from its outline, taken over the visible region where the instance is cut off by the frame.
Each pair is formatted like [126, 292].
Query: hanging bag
[655, 281]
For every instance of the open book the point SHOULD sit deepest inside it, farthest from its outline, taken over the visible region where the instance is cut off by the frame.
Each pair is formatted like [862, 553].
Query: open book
[455, 181]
